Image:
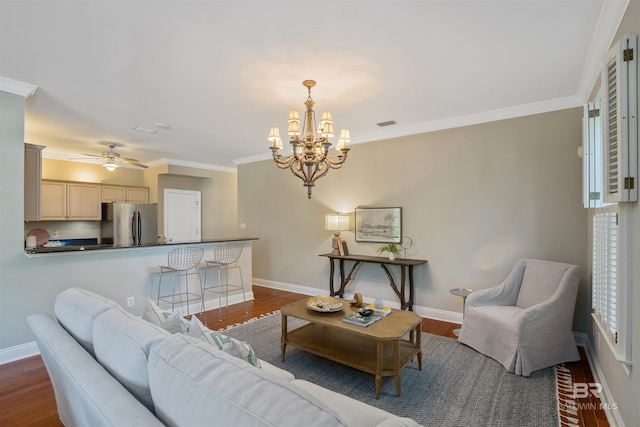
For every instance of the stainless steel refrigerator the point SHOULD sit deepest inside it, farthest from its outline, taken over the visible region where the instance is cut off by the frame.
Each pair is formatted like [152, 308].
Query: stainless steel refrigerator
[129, 224]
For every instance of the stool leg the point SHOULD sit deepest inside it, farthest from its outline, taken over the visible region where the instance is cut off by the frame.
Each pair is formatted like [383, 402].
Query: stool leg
[244, 297]
[186, 283]
[159, 287]
[204, 311]
[219, 294]
[226, 285]
[173, 291]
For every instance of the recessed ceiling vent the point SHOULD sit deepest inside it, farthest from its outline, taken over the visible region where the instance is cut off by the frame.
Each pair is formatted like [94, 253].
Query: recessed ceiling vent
[387, 123]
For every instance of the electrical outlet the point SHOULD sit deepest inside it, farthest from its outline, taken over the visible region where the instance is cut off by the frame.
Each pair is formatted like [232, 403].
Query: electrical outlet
[130, 302]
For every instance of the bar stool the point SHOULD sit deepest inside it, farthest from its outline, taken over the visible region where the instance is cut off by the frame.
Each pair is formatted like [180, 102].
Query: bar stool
[182, 261]
[225, 258]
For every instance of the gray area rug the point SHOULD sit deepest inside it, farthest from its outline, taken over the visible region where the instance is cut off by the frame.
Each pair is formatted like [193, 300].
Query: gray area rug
[456, 387]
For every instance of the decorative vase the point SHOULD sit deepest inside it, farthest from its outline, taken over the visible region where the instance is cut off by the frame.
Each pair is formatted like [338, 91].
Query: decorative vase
[392, 256]
[378, 302]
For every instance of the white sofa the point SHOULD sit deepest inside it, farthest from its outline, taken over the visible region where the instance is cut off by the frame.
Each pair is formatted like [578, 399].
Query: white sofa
[111, 368]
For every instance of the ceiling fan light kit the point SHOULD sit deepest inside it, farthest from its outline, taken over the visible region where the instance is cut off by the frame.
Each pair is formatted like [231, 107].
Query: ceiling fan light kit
[113, 158]
[110, 165]
[309, 160]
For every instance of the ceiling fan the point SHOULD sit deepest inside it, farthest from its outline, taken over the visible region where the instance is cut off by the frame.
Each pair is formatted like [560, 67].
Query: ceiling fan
[113, 158]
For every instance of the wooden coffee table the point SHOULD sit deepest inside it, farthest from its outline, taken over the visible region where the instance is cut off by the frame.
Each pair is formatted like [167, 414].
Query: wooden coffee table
[381, 349]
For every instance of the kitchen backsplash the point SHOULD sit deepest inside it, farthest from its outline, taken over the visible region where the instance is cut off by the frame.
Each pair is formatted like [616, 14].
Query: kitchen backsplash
[66, 229]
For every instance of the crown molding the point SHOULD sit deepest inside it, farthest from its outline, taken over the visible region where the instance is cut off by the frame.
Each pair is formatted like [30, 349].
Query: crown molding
[17, 88]
[608, 23]
[455, 122]
[253, 159]
[196, 165]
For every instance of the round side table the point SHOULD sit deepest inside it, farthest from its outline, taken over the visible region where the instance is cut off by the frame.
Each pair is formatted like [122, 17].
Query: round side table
[464, 293]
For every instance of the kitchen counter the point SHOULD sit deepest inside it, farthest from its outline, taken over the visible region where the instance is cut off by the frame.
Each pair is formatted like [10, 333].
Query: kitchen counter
[107, 247]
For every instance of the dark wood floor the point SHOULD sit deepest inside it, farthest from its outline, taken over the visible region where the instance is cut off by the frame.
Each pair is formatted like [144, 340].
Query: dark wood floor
[26, 395]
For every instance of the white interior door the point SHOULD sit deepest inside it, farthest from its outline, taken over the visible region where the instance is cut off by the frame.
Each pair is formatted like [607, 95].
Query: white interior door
[182, 215]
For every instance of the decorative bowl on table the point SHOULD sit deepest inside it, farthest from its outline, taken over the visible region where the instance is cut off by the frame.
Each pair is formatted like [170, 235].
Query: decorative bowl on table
[324, 304]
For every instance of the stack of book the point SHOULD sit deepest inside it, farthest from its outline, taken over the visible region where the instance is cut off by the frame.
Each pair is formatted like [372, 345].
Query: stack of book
[356, 319]
[342, 247]
[383, 311]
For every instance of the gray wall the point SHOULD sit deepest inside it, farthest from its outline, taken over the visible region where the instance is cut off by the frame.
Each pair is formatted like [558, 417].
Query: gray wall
[474, 199]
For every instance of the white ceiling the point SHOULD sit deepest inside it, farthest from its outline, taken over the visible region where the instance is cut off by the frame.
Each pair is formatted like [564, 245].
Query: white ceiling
[221, 73]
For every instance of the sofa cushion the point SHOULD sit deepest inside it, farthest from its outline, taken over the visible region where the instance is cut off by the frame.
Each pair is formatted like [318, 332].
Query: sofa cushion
[276, 372]
[122, 343]
[76, 310]
[86, 394]
[171, 321]
[354, 412]
[193, 383]
[227, 344]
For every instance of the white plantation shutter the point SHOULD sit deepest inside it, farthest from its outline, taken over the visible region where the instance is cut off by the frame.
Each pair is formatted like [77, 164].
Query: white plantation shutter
[620, 125]
[605, 267]
[592, 156]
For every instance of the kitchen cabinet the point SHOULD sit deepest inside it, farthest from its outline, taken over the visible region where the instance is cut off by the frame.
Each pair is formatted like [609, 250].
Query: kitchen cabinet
[138, 194]
[118, 193]
[70, 201]
[54, 201]
[32, 178]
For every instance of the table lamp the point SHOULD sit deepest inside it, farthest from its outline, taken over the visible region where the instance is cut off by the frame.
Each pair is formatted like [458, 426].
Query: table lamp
[336, 222]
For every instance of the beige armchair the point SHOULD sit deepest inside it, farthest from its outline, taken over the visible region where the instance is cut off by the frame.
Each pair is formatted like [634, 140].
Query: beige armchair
[525, 322]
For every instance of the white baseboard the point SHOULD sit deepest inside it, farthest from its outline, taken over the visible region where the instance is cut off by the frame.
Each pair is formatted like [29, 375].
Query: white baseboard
[22, 351]
[212, 302]
[428, 312]
[612, 413]
[289, 287]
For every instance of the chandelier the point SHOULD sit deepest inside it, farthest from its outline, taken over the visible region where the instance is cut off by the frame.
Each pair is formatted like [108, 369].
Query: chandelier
[309, 160]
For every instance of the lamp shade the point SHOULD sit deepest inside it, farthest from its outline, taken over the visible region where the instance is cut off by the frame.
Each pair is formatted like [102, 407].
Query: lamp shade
[336, 222]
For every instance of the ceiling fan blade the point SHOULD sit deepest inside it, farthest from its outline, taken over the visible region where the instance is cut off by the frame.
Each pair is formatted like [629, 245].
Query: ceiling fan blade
[91, 155]
[132, 162]
[129, 159]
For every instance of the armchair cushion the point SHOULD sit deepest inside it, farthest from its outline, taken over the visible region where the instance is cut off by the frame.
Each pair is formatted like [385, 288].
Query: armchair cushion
[540, 281]
[525, 322]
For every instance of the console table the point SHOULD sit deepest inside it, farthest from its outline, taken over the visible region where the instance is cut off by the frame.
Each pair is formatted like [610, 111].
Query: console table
[406, 271]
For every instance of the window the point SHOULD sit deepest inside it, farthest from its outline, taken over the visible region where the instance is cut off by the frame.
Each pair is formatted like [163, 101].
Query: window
[611, 289]
[610, 172]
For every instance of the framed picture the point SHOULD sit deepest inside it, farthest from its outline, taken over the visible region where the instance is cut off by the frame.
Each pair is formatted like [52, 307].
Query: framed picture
[381, 225]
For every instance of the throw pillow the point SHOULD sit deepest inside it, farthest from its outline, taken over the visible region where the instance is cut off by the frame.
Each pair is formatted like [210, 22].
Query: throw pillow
[231, 346]
[170, 321]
